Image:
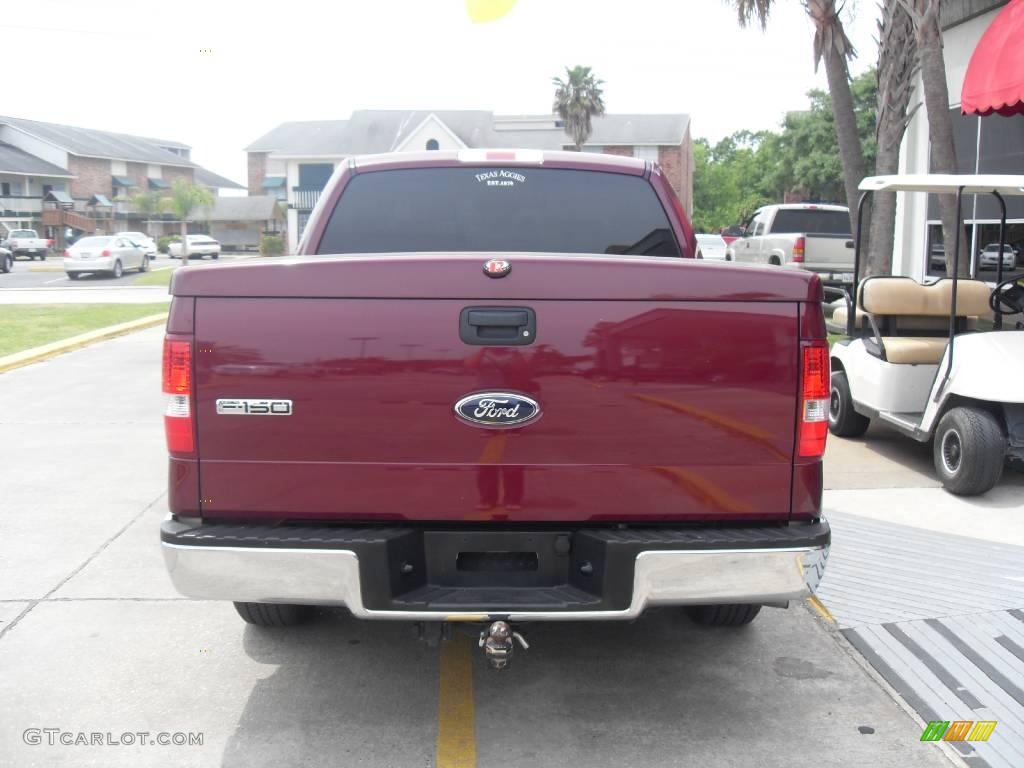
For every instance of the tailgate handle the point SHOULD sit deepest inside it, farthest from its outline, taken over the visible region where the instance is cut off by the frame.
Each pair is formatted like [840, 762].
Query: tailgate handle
[497, 326]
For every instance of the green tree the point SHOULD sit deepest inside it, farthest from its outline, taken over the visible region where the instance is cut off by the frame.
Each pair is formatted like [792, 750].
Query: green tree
[578, 98]
[148, 203]
[184, 199]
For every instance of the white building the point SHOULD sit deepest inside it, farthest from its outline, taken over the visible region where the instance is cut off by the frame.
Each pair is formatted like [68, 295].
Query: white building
[990, 144]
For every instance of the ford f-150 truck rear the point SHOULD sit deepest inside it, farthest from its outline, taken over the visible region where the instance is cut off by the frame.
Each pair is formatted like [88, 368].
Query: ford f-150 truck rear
[496, 387]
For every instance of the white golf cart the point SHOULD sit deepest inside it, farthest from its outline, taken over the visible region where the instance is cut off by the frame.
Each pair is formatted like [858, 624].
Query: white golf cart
[915, 357]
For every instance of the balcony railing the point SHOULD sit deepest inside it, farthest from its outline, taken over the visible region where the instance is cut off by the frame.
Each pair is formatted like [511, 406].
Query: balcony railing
[304, 198]
[14, 205]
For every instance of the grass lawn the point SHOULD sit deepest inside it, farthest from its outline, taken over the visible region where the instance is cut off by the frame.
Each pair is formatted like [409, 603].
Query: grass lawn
[31, 325]
[154, 277]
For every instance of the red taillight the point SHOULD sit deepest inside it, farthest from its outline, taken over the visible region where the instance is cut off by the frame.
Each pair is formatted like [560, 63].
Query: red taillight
[67, 254]
[798, 250]
[177, 385]
[814, 395]
[105, 254]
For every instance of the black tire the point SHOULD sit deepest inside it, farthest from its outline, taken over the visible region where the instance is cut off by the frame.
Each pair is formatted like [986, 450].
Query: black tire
[73, 275]
[8, 264]
[274, 614]
[723, 615]
[215, 255]
[118, 270]
[969, 451]
[145, 264]
[775, 261]
[842, 419]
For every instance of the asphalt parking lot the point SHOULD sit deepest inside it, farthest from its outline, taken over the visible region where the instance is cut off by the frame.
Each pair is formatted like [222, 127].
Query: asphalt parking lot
[93, 639]
[49, 273]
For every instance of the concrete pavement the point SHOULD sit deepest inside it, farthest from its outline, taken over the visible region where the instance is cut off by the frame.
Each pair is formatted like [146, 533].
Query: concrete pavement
[95, 639]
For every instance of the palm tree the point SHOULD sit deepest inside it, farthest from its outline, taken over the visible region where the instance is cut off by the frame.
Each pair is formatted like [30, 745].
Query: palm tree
[833, 46]
[897, 68]
[146, 203]
[928, 35]
[577, 99]
[185, 197]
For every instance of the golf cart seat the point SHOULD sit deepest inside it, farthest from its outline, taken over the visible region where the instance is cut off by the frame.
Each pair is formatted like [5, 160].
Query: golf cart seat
[908, 321]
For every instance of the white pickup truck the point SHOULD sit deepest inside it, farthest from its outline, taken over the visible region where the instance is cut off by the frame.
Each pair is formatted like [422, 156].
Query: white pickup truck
[814, 237]
[26, 242]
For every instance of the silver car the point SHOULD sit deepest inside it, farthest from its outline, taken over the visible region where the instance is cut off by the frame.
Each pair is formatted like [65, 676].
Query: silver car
[711, 247]
[989, 258]
[104, 253]
[147, 243]
[198, 247]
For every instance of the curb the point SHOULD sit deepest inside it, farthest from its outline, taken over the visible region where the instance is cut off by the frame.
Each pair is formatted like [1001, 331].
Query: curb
[46, 351]
[46, 269]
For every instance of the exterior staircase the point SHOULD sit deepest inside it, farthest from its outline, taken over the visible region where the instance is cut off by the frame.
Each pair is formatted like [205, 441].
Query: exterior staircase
[60, 217]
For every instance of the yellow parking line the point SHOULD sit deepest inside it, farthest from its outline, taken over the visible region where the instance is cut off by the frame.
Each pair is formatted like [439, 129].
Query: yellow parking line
[819, 606]
[456, 718]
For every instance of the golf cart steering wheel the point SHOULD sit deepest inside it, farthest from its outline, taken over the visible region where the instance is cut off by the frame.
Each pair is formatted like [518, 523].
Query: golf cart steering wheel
[1008, 296]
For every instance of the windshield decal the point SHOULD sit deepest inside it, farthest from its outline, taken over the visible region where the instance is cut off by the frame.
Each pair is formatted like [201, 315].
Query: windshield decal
[501, 178]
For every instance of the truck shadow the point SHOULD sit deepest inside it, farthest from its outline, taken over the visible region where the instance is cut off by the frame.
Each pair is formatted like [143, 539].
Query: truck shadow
[604, 693]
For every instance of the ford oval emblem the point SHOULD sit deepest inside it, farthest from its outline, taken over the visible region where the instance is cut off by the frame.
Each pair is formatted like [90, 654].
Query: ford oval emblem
[497, 409]
[497, 268]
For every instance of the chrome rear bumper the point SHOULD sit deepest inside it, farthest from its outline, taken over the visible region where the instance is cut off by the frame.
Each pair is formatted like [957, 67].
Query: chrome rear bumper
[332, 576]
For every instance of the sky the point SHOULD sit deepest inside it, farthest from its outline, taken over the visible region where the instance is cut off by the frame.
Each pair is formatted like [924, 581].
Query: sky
[218, 74]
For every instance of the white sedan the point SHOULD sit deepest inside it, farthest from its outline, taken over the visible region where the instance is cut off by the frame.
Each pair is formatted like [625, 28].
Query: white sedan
[198, 247]
[989, 258]
[104, 253]
[711, 247]
[144, 241]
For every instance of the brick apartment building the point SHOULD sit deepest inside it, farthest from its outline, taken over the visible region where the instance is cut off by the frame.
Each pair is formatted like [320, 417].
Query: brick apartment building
[294, 161]
[55, 178]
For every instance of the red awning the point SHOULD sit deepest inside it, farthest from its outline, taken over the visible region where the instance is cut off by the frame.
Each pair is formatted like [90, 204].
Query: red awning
[995, 76]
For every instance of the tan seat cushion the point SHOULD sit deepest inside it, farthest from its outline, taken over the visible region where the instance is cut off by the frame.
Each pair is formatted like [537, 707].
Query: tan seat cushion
[906, 324]
[839, 317]
[914, 350]
[899, 296]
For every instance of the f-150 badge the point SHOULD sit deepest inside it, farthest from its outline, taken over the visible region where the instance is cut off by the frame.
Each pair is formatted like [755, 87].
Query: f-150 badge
[254, 407]
[497, 409]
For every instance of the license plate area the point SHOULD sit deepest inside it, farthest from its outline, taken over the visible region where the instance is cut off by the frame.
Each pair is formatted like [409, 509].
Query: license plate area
[506, 558]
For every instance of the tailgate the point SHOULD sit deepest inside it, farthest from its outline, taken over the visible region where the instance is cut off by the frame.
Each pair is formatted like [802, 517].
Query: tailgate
[829, 253]
[657, 402]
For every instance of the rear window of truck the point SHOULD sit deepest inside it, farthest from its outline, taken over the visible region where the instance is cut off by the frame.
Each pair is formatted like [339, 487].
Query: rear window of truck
[539, 210]
[811, 222]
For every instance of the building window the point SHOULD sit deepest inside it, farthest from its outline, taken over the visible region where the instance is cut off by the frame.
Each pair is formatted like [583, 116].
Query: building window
[5, 189]
[303, 220]
[432, 144]
[646, 153]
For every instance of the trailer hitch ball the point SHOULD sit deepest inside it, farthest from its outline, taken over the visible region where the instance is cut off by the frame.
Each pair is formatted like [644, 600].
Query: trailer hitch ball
[498, 640]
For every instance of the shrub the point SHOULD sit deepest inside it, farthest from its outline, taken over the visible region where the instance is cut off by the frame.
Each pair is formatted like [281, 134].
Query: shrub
[271, 245]
[165, 241]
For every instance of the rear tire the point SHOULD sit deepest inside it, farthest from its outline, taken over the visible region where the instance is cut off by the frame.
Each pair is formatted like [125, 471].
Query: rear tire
[723, 615]
[842, 419]
[969, 451]
[7, 265]
[215, 255]
[118, 270]
[73, 275]
[775, 261]
[274, 614]
[144, 265]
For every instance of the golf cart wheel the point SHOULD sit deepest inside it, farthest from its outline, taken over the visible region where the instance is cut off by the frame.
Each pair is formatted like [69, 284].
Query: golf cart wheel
[723, 615]
[274, 614]
[842, 419]
[968, 451]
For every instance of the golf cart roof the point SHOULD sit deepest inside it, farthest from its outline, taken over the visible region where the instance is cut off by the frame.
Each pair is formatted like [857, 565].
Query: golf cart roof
[946, 182]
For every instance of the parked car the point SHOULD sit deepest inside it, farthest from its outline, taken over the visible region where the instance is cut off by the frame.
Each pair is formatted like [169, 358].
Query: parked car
[989, 257]
[104, 253]
[732, 232]
[487, 319]
[6, 260]
[805, 235]
[26, 242]
[144, 241]
[199, 246]
[711, 247]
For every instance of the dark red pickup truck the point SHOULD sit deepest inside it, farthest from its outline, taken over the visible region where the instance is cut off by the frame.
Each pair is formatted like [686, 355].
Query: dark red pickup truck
[496, 387]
